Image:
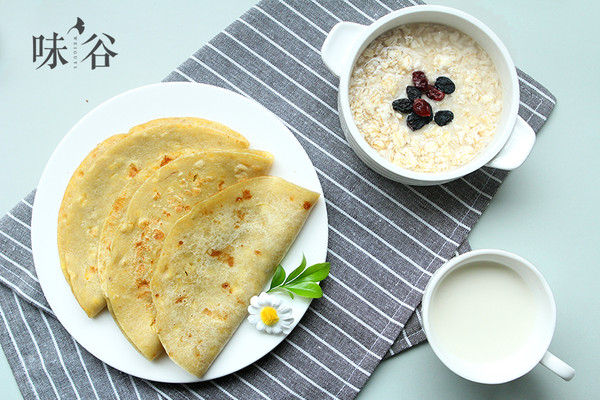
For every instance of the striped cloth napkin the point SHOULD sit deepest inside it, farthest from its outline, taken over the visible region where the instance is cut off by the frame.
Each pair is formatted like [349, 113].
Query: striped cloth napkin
[385, 239]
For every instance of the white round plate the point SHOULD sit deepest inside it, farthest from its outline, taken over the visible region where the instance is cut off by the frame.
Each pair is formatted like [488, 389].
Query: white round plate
[100, 335]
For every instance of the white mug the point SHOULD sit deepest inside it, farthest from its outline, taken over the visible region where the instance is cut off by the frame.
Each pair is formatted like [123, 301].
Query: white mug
[489, 316]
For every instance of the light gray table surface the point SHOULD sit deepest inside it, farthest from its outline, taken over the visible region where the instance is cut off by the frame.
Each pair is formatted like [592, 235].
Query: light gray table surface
[545, 211]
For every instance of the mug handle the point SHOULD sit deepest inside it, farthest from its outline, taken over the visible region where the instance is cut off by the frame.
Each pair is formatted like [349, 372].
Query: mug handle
[517, 147]
[337, 44]
[558, 366]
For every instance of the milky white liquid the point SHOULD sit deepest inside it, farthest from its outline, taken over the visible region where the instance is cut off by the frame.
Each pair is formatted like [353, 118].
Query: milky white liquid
[482, 312]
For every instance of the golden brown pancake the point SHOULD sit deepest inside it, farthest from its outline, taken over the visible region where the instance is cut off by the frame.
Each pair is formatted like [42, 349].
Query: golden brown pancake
[94, 188]
[164, 197]
[216, 258]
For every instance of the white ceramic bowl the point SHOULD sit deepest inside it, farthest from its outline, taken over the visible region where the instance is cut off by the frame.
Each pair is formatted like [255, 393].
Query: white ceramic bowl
[513, 140]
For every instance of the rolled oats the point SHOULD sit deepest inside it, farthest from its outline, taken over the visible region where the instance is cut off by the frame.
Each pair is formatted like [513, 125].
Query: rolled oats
[384, 70]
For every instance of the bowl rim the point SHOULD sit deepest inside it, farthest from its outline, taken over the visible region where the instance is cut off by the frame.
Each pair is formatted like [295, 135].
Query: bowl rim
[395, 19]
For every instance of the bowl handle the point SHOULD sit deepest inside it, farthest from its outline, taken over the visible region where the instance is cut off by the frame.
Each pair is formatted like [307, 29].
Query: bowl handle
[337, 44]
[517, 147]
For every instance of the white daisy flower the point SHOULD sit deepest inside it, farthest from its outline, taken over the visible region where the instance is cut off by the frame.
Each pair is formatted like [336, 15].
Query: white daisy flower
[268, 314]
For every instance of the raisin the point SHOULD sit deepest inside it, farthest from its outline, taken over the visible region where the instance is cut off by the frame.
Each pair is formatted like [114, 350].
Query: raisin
[445, 85]
[421, 108]
[420, 80]
[443, 117]
[434, 94]
[402, 105]
[413, 92]
[416, 122]
[429, 118]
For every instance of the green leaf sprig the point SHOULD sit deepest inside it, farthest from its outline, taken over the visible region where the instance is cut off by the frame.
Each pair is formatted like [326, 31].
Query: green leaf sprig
[301, 281]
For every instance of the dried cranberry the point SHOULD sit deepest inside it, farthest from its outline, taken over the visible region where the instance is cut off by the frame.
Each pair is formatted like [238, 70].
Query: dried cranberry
[420, 80]
[416, 122]
[443, 117]
[421, 108]
[413, 92]
[445, 85]
[434, 94]
[402, 105]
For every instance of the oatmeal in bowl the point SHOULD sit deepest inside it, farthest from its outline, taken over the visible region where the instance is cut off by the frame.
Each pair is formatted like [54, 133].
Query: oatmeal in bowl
[427, 94]
[388, 72]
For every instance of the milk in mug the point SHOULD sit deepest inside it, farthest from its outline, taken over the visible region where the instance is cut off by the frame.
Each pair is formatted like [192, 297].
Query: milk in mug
[482, 312]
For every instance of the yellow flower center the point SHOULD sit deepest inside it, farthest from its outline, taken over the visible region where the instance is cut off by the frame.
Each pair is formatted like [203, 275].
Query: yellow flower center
[268, 316]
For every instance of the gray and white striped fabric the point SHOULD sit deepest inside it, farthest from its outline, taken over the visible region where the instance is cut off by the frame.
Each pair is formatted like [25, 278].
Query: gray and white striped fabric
[385, 239]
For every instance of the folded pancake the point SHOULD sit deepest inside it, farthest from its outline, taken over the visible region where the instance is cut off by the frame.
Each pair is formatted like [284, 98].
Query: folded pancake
[65, 231]
[116, 213]
[216, 258]
[90, 196]
[164, 198]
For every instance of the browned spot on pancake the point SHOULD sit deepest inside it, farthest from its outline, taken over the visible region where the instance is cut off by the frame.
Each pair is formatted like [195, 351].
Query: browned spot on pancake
[180, 242]
[246, 195]
[241, 215]
[119, 203]
[180, 299]
[133, 170]
[142, 283]
[158, 234]
[222, 256]
[206, 211]
[143, 288]
[227, 287]
[80, 173]
[165, 160]
[214, 253]
[307, 205]
[221, 185]
[217, 314]
[157, 295]
[257, 252]
[156, 196]
[166, 213]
